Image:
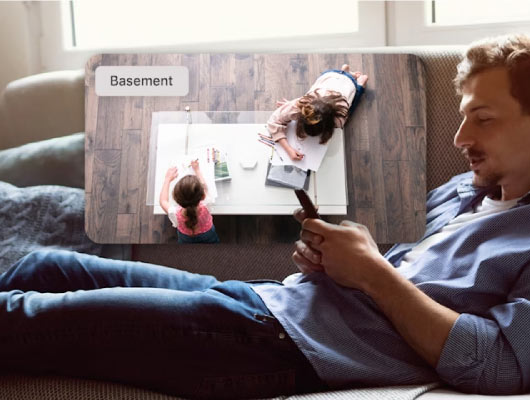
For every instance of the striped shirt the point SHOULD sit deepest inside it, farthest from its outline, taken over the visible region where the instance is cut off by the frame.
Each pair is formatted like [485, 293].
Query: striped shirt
[480, 271]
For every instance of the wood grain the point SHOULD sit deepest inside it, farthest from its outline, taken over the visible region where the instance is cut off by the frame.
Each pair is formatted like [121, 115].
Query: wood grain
[384, 142]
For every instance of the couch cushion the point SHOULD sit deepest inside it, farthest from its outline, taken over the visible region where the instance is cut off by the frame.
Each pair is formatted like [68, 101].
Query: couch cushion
[58, 161]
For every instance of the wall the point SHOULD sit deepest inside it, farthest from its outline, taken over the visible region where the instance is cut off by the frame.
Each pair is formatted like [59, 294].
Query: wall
[19, 49]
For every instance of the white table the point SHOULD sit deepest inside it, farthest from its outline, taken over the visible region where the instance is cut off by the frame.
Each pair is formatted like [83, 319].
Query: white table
[246, 193]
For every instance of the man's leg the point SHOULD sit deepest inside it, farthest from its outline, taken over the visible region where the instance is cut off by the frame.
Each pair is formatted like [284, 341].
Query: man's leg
[211, 342]
[61, 271]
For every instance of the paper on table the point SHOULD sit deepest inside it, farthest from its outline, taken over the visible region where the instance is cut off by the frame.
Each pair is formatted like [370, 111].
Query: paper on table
[206, 164]
[313, 151]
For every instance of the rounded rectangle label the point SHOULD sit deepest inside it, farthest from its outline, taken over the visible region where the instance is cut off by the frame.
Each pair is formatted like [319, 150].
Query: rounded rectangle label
[142, 81]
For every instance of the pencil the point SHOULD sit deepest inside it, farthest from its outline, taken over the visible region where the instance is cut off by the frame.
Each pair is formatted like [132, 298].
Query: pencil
[271, 145]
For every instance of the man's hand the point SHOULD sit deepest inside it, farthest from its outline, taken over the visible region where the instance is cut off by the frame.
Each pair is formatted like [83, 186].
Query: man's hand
[195, 165]
[305, 258]
[348, 253]
[172, 173]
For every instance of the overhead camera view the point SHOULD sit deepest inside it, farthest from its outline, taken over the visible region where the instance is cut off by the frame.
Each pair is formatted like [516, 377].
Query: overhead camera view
[221, 163]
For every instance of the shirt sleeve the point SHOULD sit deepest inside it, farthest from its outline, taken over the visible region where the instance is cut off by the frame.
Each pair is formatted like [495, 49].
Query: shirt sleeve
[490, 355]
[172, 215]
[277, 123]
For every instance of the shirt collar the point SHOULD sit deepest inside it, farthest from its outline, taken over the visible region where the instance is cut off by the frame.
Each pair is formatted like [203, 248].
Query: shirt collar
[470, 194]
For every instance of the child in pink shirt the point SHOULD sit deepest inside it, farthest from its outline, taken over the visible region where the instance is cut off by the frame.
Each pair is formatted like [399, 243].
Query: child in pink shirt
[190, 216]
[327, 105]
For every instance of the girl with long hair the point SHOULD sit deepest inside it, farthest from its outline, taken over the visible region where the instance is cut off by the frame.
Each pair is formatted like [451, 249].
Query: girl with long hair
[326, 106]
[190, 216]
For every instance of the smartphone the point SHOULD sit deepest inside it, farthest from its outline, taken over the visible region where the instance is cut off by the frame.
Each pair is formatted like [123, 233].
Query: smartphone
[307, 204]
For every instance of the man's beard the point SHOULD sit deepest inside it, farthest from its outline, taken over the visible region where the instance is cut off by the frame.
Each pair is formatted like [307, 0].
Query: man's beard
[481, 178]
[486, 179]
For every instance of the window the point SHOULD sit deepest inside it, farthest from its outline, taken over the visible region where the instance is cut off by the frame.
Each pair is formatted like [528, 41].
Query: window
[458, 12]
[205, 26]
[119, 23]
[451, 22]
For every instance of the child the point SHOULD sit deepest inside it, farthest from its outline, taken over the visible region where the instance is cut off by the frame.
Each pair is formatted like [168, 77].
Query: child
[191, 216]
[327, 104]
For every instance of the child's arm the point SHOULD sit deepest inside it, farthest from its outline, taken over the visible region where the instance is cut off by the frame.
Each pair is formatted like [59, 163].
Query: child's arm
[198, 172]
[295, 155]
[171, 174]
[277, 125]
[285, 113]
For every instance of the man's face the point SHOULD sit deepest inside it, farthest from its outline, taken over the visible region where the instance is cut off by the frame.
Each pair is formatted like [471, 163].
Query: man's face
[495, 134]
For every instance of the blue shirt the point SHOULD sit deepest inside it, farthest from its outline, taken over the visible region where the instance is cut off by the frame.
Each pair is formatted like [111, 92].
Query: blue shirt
[480, 271]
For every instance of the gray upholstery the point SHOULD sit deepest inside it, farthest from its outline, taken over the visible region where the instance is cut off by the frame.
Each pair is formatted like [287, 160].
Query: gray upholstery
[42, 106]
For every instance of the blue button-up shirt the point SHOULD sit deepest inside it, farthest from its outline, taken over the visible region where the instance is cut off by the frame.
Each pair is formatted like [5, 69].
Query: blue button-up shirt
[481, 271]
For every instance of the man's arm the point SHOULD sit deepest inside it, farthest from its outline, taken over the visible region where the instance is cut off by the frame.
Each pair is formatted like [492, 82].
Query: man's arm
[348, 254]
[421, 321]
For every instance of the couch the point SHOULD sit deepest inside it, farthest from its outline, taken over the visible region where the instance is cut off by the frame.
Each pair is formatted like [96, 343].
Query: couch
[51, 104]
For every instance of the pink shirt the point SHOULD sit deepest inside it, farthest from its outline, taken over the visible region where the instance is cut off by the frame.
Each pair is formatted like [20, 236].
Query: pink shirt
[331, 81]
[178, 219]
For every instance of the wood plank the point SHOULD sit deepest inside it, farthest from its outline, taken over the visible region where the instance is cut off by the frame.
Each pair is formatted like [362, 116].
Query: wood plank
[91, 117]
[132, 113]
[149, 224]
[109, 123]
[222, 67]
[407, 214]
[129, 177]
[393, 199]
[392, 126]
[416, 144]
[204, 82]
[127, 228]
[105, 194]
[244, 88]
[362, 187]
[414, 92]
[366, 217]
[371, 107]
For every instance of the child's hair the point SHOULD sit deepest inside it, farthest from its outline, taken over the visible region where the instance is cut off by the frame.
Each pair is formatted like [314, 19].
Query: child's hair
[188, 192]
[318, 113]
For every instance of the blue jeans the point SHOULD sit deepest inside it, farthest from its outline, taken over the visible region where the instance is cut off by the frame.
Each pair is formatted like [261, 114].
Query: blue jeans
[146, 325]
[205, 237]
[359, 90]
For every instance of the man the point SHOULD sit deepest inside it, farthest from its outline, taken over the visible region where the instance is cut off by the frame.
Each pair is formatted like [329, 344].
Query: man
[453, 307]
[460, 296]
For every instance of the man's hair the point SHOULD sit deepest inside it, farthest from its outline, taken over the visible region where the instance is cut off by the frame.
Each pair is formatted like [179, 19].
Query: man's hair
[318, 113]
[511, 52]
[188, 192]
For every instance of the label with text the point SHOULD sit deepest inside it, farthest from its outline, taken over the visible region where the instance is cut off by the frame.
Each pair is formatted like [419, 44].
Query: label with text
[142, 81]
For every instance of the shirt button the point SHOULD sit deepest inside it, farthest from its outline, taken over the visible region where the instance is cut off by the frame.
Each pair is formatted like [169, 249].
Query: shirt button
[281, 335]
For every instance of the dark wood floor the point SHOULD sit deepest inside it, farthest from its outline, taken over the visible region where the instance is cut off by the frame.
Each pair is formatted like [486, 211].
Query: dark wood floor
[385, 142]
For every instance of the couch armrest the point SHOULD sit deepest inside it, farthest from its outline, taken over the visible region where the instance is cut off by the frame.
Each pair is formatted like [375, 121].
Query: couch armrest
[42, 106]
